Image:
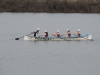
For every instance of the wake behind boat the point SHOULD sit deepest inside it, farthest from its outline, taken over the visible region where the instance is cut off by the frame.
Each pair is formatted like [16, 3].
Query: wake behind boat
[62, 38]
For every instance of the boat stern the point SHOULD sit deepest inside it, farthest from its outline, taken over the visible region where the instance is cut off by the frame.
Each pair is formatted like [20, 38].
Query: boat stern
[26, 38]
[89, 37]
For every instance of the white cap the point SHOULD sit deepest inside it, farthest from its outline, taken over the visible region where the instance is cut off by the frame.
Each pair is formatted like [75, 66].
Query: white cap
[78, 30]
[38, 28]
[67, 29]
[45, 30]
[57, 30]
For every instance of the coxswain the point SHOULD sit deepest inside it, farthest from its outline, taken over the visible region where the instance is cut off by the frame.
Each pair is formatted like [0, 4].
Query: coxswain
[36, 33]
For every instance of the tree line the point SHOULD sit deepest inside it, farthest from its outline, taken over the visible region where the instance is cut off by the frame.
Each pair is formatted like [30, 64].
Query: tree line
[52, 6]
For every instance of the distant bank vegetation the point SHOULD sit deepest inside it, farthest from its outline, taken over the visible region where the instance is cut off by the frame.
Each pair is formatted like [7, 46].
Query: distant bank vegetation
[55, 6]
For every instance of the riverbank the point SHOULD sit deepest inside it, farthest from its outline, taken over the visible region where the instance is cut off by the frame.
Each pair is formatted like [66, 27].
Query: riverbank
[52, 6]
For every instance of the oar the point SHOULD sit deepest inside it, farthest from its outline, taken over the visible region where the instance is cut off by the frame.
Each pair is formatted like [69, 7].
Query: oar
[75, 35]
[80, 36]
[22, 37]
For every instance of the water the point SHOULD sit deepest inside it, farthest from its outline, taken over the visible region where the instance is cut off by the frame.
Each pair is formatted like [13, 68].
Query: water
[19, 57]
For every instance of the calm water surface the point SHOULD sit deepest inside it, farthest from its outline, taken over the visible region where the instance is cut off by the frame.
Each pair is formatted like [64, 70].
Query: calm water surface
[19, 57]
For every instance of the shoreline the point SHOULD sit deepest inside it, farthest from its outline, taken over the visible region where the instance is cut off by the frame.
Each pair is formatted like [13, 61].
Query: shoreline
[55, 12]
[50, 6]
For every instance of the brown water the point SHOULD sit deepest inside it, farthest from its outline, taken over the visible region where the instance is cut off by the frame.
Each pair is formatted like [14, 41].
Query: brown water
[19, 57]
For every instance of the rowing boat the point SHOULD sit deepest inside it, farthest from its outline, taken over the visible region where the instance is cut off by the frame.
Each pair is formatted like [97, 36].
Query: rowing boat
[53, 38]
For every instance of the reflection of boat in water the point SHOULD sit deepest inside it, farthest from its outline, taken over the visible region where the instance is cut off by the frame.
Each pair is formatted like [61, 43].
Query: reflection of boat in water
[53, 38]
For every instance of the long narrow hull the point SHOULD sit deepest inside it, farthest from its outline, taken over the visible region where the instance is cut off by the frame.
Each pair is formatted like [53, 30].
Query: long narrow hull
[88, 37]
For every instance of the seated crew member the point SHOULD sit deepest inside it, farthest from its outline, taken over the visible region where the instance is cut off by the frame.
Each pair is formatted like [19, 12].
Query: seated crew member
[57, 34]
[78, 33]
[45, 34]
[68, 33]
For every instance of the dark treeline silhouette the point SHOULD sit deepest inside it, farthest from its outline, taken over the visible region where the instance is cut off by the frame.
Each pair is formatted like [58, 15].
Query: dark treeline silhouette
[56, 6]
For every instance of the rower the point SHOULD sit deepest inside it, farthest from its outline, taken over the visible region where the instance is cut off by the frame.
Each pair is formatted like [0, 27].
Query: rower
[45, 34]
[78, 33]
[57, 34]
[36, 32]
[68, 33]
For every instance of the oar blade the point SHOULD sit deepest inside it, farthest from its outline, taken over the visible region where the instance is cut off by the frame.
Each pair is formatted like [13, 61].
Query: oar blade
[22, 37]
[16, 38]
